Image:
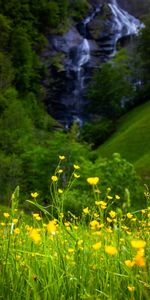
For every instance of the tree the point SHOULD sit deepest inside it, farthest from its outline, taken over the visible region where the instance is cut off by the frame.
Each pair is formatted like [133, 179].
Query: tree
[111, 87]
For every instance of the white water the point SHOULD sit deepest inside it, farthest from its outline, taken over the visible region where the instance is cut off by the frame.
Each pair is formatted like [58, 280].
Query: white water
[124, 23]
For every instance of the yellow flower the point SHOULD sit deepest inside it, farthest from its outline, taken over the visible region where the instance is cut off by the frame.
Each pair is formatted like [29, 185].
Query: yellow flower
[60, 171]
[138, 244]
[97, 246]
[117, 197]
[93, 180]
[6, 215]
[70, 250]
[109, 220]
[109, 197]
[54, 178]
[129, 215]
[60, 191]
[76, 167]
[61, 157]
[76, 175]
[34, 195]
[94, 224]
[35, 236]
[15, 221]
[139, 260]
[112, 214]
[131, 288]
[86, 210]
[16, 231]
[109, 230]
[98, 202]
[52, 227]
[111, 250]
[35, 215]
[129, 263]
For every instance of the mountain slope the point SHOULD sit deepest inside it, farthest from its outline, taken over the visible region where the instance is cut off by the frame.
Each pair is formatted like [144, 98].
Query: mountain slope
[132, 140]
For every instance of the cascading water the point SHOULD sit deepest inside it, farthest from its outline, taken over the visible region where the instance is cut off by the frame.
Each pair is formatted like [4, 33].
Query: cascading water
[80, 59]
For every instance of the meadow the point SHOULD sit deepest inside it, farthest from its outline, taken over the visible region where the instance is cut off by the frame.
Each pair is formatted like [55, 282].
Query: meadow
[51, 254]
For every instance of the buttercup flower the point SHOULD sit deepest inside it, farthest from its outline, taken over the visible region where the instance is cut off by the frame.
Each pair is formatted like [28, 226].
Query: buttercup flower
[97, 246]
[54, 178]
[61, 157]
[129, 263]
[111, 250]
[34, 195]
[138, 244]
[93, 180]
[76, 175]
[76, 167]
[131, 288]
[6, 215]
[86, 210]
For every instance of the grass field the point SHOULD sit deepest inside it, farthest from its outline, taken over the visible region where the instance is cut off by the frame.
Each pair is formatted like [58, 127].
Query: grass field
[132, 140]
[102, 255]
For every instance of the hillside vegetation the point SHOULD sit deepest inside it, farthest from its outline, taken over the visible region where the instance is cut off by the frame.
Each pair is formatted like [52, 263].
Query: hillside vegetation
[132, 140]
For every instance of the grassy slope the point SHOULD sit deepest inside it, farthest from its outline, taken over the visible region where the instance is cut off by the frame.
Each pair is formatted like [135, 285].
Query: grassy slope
[132, 140]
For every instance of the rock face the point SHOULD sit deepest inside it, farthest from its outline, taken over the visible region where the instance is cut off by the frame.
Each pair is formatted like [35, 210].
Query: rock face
[81, 49]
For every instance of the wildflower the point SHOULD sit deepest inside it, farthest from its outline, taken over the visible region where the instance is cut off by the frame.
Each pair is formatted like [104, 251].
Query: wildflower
[97, 246]
[129, 215]
[51, 227]
[80, 242]
[34, 195]
[6, 215]
[54, 178]
[61, 157]
[35, 215]
[15, 221]
[109, 230]
[35, 236]
[131, 288]
[112, 214]
[60, 171]
[76, 175]
[70, 250]
[93, 180]
[111, 250]
[96, 215]
[109, 197]
[109, 220]
[98, 202]
[94, 224]
[138, 244]
[117, 197]
[60, 191]
[16, 231]
[129, 263]
[139, 258]
[86, 210]
[108, 189]
[76, 167]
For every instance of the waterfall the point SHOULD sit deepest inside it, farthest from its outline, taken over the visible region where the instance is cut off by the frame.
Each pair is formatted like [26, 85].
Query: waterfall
[124, 23]
[84, 50]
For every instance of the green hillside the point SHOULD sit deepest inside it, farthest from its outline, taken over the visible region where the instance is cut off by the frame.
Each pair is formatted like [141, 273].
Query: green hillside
[132, 140]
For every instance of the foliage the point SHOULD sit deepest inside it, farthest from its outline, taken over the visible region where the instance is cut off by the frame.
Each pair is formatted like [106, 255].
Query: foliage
[97, 132]
[111, 88]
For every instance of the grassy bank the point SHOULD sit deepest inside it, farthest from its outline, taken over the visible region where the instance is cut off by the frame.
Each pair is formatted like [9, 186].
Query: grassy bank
[132, 140]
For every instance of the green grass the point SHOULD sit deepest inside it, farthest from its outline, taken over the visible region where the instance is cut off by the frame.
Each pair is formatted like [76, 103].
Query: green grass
[132, 140]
